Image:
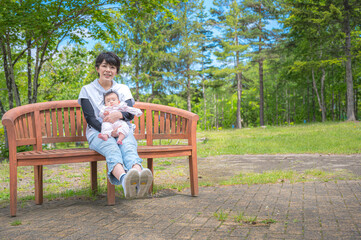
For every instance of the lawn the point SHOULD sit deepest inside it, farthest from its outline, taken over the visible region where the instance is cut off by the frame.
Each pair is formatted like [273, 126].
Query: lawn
[323, 138]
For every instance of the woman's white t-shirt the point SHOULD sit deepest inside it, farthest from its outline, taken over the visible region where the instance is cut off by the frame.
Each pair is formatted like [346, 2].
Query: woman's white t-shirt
[94, 92]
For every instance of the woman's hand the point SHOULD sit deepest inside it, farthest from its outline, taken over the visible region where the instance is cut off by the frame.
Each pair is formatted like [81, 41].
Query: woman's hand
[113, 117]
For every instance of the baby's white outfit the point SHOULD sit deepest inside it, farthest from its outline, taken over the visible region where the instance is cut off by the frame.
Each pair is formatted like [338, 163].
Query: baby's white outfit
[123, 126]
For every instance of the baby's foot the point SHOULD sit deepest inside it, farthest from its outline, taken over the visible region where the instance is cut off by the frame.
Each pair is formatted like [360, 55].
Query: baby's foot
[103, 136]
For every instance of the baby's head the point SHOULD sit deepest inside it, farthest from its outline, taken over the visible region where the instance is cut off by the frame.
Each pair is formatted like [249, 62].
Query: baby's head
[111, 98]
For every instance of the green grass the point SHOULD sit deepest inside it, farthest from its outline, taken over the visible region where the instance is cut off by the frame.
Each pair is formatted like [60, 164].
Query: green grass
[275, 176]
[324, 138]
[221, 215]
[16, 223]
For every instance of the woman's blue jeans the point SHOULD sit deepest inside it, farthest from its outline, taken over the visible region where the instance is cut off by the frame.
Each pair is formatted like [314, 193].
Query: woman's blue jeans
[114, 154]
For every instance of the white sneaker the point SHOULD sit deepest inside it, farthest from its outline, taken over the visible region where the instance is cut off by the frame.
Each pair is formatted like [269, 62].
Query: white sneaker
[130, 182]
[145, 181]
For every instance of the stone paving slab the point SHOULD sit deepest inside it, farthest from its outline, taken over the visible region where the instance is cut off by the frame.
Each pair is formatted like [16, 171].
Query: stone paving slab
[312, 210]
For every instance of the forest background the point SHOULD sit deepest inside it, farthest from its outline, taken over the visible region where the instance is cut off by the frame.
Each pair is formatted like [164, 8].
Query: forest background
[235, 63]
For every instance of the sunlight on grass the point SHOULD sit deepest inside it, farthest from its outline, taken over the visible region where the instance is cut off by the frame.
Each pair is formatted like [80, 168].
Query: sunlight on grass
[307, 138]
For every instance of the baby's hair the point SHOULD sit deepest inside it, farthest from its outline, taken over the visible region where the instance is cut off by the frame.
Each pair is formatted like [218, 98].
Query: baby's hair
[110, 92]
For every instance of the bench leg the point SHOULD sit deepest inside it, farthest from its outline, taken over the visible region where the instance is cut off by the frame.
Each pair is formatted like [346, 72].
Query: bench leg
[38, 179]
[93, 176]
[151, 168]
[110, 193]
[193, 171]
[13, 189]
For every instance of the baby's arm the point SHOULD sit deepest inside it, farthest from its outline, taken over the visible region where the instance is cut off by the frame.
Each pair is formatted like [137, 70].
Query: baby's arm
[103, 112]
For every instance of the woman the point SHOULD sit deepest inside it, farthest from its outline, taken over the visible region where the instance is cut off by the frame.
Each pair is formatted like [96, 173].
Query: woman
[123, 162]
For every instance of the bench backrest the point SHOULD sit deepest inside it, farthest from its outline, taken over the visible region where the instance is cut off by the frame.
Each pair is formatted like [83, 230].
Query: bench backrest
[63, 121]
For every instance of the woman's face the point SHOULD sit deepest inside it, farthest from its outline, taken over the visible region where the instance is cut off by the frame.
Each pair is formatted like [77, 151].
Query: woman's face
[106, 71]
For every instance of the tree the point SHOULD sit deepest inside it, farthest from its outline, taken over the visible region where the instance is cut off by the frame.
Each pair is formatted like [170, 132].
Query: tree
[189, 31]
[232, 21]
[34, 29]
[144, 45]
[261, 38]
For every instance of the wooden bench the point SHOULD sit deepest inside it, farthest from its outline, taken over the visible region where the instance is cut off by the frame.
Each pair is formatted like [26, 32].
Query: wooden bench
[62, 121]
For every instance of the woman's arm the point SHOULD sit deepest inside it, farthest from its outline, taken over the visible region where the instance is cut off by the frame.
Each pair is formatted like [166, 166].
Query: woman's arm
[89, 115]
[128, 116]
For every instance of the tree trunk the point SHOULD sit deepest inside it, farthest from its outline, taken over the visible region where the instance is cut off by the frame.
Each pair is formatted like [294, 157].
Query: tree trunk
[332, 105]
[205, 105]
[136, 82]
[261, 100]
[189, 96]
[323, 106]
[287, 107]
[2, 110]
[216, 107]
[276, 96]
[7, 66]
[349, 80]
[239, 89]
[261, 97]
[356, 101]
[320, 99]
[308, 102]
[11, 73]
[29, 71]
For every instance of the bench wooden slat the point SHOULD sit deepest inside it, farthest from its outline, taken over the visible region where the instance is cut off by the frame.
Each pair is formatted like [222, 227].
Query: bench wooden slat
[167, 123]
[66, 122]
[20, 129]
[184, 126]
[48, 123]
[172, 124]
[156, 122]
[84, 126]
[142, 124]
[73, 152]
[30, 117]
[161, 126]
[60, 122]
[72, 122]
[64, 139]
[54, 122]
[42, 123]
[178, 124]
[78, 121]
[136, 123]
[25, 126]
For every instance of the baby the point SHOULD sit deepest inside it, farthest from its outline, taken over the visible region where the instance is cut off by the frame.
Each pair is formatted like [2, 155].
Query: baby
[112, 104]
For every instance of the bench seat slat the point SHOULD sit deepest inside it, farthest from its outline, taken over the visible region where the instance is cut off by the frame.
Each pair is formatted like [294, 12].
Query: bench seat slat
[74, 152]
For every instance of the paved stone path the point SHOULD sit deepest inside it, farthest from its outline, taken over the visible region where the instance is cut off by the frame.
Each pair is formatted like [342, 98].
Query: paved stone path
[313, 210]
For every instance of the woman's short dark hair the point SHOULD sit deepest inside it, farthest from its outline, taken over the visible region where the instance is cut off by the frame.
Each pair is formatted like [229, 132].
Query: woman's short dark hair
[110, 58]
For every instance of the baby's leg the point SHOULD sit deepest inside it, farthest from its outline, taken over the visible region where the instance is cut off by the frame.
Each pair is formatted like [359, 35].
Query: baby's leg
[120, 138]
[106, 131]
[123, 131]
